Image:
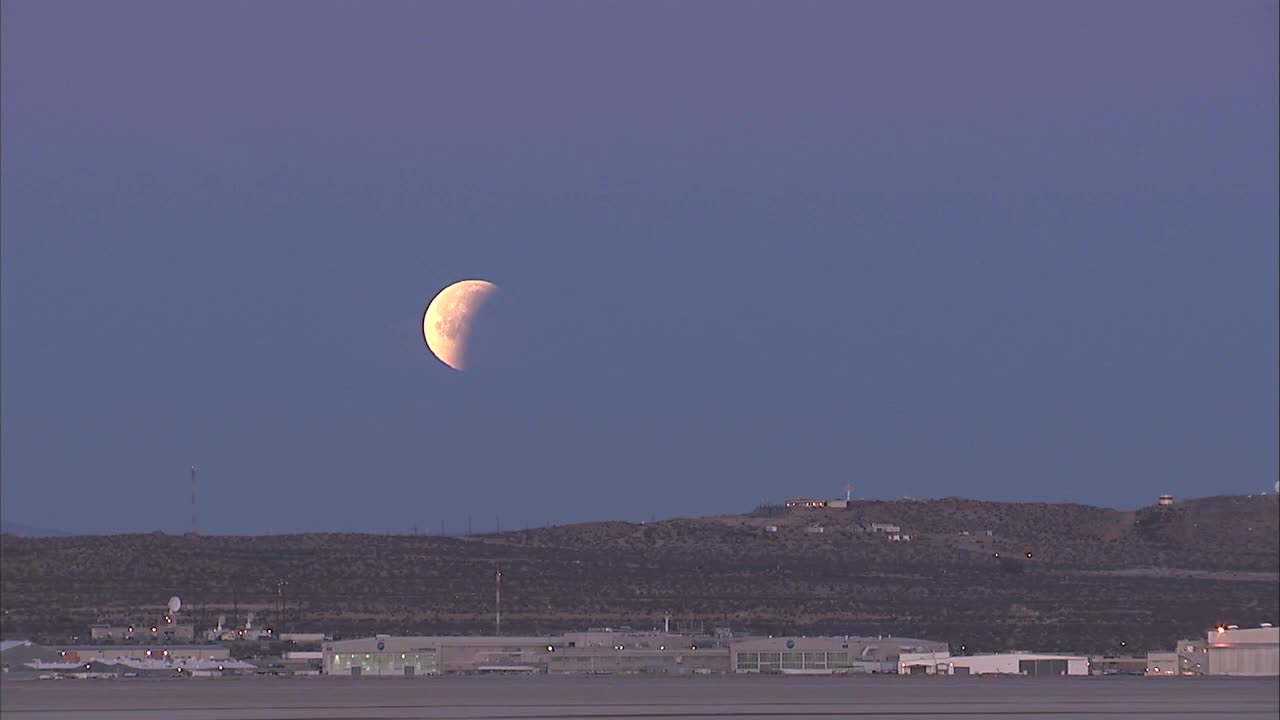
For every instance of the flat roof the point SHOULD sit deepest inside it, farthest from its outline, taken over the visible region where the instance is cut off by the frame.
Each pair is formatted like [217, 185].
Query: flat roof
[454, 640]
[133, 646]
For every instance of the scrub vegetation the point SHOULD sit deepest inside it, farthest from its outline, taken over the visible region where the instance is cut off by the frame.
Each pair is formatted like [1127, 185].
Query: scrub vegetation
[1067, 577]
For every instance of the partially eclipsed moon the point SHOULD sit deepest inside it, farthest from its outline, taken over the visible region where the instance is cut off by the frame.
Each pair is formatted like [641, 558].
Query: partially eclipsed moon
[446, 325]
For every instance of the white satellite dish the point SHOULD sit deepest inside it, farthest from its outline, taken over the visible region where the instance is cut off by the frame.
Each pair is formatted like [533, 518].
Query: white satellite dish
[175, 604]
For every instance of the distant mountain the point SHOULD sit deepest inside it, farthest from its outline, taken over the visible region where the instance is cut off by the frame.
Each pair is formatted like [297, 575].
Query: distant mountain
[12, 528]
[984, 575]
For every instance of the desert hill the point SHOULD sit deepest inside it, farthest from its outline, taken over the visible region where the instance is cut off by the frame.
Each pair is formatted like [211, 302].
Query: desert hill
[1096, 577]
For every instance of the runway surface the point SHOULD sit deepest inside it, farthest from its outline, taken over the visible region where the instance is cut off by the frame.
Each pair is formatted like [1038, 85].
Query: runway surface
[635, 697]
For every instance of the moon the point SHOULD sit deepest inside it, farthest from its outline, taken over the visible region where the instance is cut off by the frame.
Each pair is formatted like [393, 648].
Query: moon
[446, 325]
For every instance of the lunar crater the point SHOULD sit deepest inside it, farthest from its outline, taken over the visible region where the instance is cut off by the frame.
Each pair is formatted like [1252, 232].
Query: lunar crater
[450, 317]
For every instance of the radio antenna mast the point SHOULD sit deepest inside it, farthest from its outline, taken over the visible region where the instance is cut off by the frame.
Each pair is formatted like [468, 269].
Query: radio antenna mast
[194, 527]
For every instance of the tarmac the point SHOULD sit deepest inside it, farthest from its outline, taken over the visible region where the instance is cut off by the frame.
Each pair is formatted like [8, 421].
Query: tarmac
[619, 697]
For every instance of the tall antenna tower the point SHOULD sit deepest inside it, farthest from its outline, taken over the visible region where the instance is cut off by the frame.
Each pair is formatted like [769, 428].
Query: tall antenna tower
[848, 492]
[497, 599]
[194, 527]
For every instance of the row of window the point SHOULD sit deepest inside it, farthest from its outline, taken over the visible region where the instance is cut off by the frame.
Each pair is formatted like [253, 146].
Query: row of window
[793, 660]
[385, 663]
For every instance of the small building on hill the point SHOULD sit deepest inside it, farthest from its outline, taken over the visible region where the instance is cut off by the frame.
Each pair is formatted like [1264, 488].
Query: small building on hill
[807, 503]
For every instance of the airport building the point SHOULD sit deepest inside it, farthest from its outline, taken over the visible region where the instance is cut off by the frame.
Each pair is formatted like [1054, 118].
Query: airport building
[1120, 664]
[1035, 664]
[155, 633]
[599, 652]
[1163, 663]
[21, 657]
[825, 655]
[583, 652]
[807, 503]
[676, 659]
[160, 651]
[14, 654]
[429, 655]
[1229, 650]
[639, 652]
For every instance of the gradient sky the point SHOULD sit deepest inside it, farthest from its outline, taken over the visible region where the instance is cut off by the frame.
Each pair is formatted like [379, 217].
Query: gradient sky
[1004, 250]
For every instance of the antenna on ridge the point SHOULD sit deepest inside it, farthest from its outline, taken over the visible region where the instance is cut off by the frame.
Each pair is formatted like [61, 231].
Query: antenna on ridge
[848, 492]
[194, 527]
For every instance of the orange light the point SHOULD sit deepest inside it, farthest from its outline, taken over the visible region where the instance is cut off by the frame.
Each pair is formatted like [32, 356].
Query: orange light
[1221, 629]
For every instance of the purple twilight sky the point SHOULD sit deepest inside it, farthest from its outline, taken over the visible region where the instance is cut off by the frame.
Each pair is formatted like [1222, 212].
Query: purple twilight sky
[1007, 250]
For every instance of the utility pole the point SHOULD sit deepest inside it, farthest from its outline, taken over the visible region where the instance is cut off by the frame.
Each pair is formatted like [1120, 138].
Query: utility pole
[280, 602]
[497, 599]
